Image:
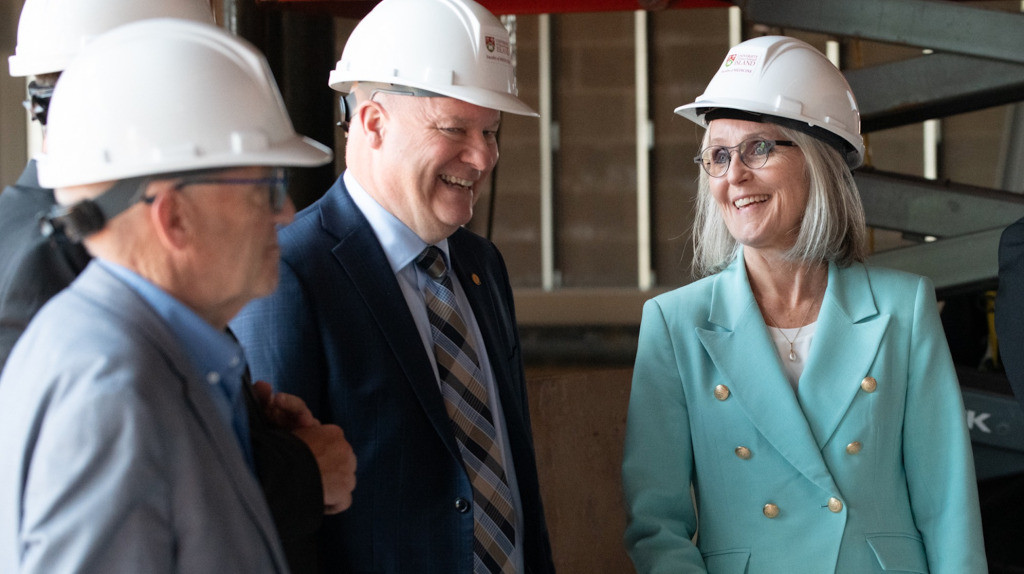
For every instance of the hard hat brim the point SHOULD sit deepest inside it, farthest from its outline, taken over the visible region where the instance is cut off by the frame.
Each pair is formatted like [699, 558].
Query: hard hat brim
[21, 67]
[477, 96]
[299, 151]
[851, 148]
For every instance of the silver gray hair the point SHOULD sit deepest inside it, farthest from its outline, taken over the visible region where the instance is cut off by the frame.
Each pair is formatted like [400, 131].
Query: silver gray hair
[832, 228]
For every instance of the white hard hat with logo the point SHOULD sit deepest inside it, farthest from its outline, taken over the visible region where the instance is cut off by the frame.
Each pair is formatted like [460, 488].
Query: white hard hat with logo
[165, 95]
[52, 32]
[786, 81]
[453, 48]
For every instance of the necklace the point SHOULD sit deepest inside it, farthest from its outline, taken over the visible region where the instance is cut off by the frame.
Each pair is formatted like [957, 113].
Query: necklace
[792, 342]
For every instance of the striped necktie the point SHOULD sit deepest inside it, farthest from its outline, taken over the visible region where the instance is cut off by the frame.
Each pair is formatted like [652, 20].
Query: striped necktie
[465, 397]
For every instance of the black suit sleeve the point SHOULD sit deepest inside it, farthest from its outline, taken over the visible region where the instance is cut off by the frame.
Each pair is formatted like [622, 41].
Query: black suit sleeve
[1010, 306]
[33, 268]
[290, 479]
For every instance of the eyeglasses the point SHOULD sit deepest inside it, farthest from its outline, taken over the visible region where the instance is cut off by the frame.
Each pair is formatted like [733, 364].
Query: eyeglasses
[277, 185]
[753, 153]
[38, 102]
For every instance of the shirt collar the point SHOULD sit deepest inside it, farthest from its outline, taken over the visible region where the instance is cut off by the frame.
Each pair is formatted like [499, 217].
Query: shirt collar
[400, 243]
[213, 352]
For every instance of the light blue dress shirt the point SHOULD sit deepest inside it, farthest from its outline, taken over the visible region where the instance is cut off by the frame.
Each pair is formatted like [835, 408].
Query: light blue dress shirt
[213, 353]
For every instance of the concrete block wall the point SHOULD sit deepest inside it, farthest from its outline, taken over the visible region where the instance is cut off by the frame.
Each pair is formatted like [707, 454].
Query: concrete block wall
[579, 421]
[595, 183]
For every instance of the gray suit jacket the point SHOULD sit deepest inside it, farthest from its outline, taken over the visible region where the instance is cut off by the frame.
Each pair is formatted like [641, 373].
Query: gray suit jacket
[112, 455]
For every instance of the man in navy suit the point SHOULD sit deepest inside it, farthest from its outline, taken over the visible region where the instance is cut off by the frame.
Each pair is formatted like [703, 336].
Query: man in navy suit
[349, 331]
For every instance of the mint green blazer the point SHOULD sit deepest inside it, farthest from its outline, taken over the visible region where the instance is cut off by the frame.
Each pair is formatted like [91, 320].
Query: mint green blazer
[866, 468]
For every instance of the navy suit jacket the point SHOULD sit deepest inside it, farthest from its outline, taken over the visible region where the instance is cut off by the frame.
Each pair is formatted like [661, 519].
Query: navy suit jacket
[33, 268]
[1010, 306]
[338, 333]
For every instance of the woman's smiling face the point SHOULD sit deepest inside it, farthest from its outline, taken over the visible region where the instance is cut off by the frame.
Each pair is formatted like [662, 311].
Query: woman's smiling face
[762, 208]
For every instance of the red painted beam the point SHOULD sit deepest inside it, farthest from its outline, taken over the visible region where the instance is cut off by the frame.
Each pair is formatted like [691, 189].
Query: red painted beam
[359, 8]
[563, 6]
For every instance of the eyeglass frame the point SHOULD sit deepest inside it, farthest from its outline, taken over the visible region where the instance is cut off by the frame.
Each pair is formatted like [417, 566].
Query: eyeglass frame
[277, 185]
[38, 102]
[699, 159]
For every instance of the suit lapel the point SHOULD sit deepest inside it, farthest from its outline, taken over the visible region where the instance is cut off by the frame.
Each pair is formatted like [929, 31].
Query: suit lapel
[101, 286]
[362, 259]
[845, 343]
[744, 353]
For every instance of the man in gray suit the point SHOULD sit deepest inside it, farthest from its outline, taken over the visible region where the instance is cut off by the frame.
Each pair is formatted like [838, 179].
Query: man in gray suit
[306, 469]
[123, 436]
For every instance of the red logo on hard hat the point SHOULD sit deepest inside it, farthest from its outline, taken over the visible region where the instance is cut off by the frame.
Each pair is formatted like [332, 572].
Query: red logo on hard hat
[489, 40]
[729, 61]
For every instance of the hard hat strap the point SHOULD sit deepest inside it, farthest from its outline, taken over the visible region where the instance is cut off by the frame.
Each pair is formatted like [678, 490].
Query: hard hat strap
[347, 103]
[396, 89]
[78, 221]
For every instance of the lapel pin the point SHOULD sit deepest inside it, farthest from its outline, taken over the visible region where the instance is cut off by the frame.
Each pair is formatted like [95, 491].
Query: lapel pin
[476, 279]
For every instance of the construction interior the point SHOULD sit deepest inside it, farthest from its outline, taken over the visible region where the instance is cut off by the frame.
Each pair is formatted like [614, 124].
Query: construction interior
[591, 204]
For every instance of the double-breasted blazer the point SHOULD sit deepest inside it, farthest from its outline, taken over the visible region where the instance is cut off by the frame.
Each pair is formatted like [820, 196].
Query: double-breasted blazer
[338, 333]
[113, 456]
[867, 467]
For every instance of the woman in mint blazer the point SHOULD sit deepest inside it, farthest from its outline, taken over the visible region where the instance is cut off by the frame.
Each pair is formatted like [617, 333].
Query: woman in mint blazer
[794, 411]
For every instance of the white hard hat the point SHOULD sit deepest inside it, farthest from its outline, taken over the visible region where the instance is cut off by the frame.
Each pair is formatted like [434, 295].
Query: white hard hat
[52, 32]
[453, 48]
[789, 82]
[165, 95]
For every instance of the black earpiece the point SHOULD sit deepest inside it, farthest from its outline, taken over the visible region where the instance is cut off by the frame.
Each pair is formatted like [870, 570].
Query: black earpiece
[347, 103]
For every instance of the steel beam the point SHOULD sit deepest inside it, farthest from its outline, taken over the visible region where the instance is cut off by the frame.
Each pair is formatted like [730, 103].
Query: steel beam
[1011, 167]
[933, 86]
[940, 209]
[965, 262]
[359, 8]
[944, 26]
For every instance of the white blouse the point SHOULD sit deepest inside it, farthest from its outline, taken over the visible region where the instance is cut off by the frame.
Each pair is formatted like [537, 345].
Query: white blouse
[801, 347]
